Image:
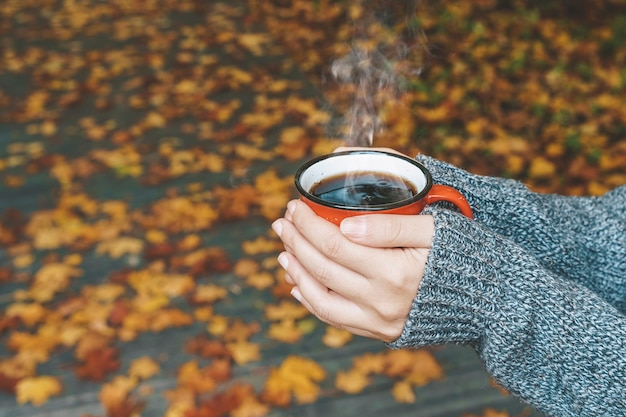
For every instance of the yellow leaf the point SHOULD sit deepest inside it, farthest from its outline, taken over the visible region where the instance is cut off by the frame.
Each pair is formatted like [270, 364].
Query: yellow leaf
[209, 293]
[118, 247]
[250, 407]
[336, 337]
[243, 352]
[29, 313]
[23, 261]
[73, 259]
[50, 279]
[143, 368]
[218, 325]
[260, 281]
[541, 168]
[37, 390]
[203, 313]
[156, 236]
[285, 331]
[352, 381]
[115, 392]
[296, 376]
[286, 310]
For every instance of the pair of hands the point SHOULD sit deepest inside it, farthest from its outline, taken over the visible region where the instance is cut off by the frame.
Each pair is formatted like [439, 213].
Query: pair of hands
[361, 276]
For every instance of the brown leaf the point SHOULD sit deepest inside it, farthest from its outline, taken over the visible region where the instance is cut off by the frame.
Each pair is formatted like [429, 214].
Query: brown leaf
[206, 348]
[98, 363]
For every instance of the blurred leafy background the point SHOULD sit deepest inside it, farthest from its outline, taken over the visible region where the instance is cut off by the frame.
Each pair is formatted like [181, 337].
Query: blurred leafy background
[145, 147]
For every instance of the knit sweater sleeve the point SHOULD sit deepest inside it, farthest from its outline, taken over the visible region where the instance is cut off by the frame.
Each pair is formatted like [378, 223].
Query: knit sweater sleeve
[550, 341]
[582, 239]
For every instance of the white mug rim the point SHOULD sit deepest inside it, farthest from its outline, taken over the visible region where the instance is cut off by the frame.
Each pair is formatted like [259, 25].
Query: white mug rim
[421, 193]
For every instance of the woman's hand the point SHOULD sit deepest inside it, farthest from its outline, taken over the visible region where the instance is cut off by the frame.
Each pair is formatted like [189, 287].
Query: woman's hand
[361, 276]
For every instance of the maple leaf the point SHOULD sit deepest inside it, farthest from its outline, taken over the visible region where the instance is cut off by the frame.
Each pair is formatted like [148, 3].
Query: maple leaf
[285, 310]
[189, 242]
[239, 331]
[244, 352]
[204, 261]
[370, 363]
[98, 363]
[250, 407]
[261, 245]
[219, 370]
[143, 368]
[29, 313]
[181, 401]
[159, 250]
[297, 376]
[352, 381]
[90, 341]
[223, 403]
[203, 314]
[245, 267]
[38, 389]
[116, 392]
[50, 279]
[194, 378]
[336, 337]
[38, 345]
[8, 383]
[260, 280]
[5, 273]
[118, 313]
[8, 323]
[403, 392]
[207, 348]
[254, 42]
[218, 325]
[285, 331]
[208, 294]
[118, 247]
[172, 317]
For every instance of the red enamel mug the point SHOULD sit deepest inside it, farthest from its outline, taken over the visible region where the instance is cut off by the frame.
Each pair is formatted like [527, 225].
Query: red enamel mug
[338, 204]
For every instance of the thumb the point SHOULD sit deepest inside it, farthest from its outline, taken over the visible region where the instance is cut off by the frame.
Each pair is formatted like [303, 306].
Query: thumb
[390, 230]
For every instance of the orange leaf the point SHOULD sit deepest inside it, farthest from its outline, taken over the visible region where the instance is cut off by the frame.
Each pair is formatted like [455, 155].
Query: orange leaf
[403, 392]
[352, 381]
[336, 337]
[296, 376]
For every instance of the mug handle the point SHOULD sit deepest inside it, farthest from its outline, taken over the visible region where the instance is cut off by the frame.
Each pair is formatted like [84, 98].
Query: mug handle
[451, 195]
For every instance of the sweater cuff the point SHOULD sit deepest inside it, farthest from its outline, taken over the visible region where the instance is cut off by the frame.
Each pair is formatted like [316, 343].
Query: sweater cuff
[459, 293]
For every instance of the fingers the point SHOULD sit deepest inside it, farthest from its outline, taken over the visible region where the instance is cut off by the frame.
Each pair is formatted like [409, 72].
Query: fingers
[390, 231]
[324, 240]
[331, 307]
[319, 299]
[325, 270]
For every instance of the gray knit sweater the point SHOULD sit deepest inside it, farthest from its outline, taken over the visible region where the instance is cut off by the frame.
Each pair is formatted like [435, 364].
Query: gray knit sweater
[537, 285]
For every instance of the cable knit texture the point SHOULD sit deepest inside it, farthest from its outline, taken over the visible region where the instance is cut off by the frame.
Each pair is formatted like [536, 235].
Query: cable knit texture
[537, 284]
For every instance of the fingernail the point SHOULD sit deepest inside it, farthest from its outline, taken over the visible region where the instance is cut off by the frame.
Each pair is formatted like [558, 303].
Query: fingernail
[295, 293]
[277, 227]
[353, 227]
[283, 260]
[291, 206]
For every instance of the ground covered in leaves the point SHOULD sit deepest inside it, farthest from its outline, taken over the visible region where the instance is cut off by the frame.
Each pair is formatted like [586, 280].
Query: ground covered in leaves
[145, 146]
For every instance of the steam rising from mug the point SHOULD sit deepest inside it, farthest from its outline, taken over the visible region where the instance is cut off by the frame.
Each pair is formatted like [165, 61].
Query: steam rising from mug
[384, 55]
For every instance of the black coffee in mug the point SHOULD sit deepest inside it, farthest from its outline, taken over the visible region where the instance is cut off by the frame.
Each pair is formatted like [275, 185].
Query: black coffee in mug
[363, 189]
